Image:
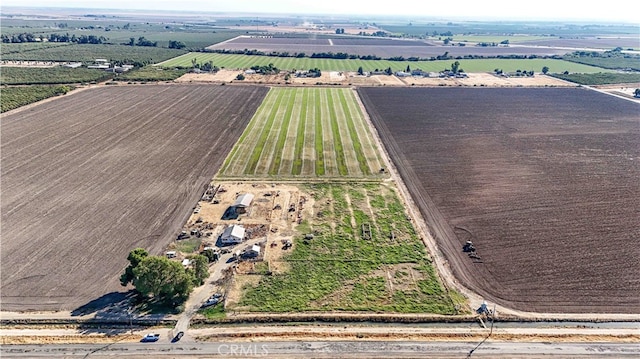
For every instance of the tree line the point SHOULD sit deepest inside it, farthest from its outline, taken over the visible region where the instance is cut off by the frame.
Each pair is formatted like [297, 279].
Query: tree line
[82, 39]
[345, 56]
[29, 37]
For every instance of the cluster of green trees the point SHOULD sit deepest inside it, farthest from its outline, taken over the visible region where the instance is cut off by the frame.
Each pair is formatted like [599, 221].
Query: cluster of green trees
[142, 41]
[377, 34]
[315, 72]
[435, 33]
[29, 37]
[173, 44]
[266, 70]
[521, 73]
[159, 279]
[207, 66]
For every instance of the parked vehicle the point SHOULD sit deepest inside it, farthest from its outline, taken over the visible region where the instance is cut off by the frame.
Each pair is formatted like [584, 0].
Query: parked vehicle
[211, 301]
[177, 337]
[151, 337]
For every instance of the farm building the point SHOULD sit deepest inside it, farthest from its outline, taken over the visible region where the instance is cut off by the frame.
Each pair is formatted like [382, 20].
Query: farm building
[232, 235]
[73, 65]
[403, 74]
[243, 202]
[253, 252]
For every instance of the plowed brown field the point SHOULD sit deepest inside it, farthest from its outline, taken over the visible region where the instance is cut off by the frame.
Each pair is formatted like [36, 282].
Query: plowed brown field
[545, 182]
[90, 176]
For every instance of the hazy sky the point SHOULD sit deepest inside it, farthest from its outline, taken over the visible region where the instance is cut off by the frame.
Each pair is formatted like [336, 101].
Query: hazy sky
[609, 10]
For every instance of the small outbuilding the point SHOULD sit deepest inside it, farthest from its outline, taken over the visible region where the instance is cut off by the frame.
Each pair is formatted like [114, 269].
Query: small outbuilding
[232, 235]
[253, 252]
[243, 202]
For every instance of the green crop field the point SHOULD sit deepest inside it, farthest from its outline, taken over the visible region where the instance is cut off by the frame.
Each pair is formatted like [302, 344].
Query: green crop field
[308, 132]
[14, 97]
[601, 78]
[342, 268]
[50, 75]
[88, 53]
[230, 61]
[28, 46]
[150, 73]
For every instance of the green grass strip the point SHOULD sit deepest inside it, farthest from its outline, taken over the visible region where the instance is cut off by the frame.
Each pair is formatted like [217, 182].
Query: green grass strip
[337, 139]
[357, 146]
[318, 140]
[256, 118]
[297, 161]
[257, 150]
[282, 136]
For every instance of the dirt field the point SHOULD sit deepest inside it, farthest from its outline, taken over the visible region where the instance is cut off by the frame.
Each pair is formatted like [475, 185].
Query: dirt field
[626, 90]
[543, 181]
[376, 46]
[220, 76]
[488, 80]
[90, 176]
[353, 79]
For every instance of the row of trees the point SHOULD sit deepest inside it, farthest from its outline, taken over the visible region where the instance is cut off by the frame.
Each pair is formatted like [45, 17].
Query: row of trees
[82, 39]
[29, 37]
[342, 55]
[158, 279]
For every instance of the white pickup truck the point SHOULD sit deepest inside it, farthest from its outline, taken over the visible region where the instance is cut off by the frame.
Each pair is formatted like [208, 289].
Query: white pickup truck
[151, 337]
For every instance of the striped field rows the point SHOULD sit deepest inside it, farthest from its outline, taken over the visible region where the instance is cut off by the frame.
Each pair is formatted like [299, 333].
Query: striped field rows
[306, 132]
[233, 61]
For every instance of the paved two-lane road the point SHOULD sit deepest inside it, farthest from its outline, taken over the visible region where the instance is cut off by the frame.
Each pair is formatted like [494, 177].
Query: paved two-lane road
[341, 349]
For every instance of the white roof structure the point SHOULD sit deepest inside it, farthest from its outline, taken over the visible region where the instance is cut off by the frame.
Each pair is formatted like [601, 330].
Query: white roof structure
[243, 200]
[235, 232]
[255, 248]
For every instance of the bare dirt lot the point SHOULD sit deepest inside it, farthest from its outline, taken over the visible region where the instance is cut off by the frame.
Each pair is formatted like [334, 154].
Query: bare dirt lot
[90, 176]
[543, 181]
[488, 80]
[625, 90]
[346, 78]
